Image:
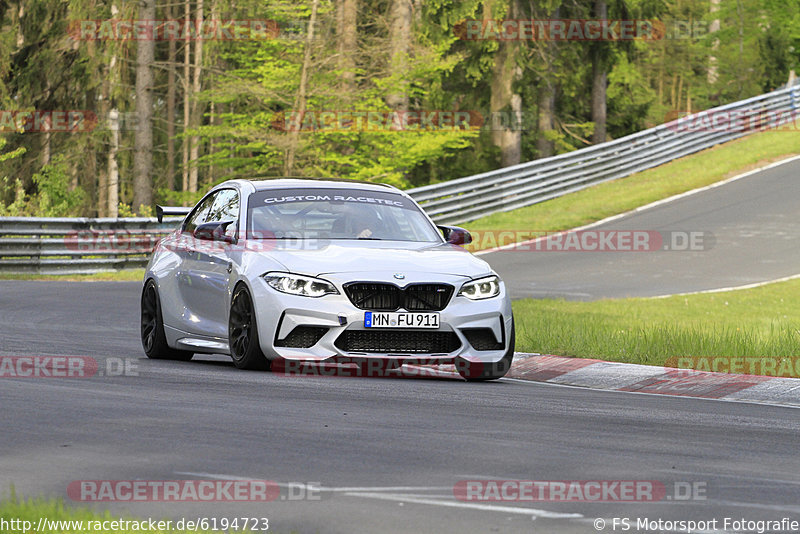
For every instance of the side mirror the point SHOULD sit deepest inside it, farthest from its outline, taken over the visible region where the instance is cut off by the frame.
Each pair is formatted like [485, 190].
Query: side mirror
[214, 231]
[455, 235]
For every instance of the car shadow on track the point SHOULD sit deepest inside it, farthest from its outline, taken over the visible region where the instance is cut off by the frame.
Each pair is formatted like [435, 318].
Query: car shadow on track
[305, 369]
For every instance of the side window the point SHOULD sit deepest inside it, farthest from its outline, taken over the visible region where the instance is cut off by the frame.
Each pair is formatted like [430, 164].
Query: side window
[200, 214]
[225, 207]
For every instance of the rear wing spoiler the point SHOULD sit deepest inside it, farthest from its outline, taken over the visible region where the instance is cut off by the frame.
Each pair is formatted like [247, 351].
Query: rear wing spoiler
[166, 211]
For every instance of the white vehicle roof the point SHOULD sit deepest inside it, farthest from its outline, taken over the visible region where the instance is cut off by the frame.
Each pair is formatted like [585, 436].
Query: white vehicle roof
[284, 183]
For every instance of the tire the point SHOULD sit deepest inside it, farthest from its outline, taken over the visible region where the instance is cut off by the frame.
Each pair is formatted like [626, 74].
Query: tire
[243, 333]
[476, 372]
[154, 342]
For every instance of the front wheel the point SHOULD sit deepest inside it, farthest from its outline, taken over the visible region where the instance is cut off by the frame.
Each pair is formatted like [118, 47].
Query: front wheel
[243, 333]
[476, 372]
[154, 341]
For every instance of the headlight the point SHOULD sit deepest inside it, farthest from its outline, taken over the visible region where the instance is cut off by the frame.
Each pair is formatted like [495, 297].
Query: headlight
[296, 284]
[483, 288]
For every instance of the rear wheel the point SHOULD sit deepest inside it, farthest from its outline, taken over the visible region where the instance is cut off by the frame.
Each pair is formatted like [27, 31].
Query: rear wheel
[243, 333]
[476, 372]
[154, 341]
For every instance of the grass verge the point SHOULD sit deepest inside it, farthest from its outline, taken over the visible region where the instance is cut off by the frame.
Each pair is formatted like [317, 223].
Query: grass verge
[762, 322]
[611, 198]
[128, 275]
[57, 518]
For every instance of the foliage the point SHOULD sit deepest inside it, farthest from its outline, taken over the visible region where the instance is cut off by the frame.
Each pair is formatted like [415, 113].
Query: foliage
[56, 197]
[248, 85]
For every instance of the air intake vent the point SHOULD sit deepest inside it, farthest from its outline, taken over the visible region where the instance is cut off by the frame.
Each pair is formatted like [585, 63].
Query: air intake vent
[482, 339]
[398, 342]
[302, 337]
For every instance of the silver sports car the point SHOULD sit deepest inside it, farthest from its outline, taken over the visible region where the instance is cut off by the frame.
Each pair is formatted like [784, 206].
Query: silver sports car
[328, 272]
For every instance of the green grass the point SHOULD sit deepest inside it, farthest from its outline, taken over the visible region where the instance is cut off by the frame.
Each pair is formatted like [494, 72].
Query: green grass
[604, 200]
[128, 275]
[762, 322]
[32, 510]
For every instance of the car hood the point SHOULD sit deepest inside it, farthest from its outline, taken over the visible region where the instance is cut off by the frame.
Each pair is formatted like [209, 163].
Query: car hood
[334, 257]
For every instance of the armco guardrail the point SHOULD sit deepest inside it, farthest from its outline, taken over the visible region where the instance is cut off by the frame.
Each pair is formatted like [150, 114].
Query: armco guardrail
[466, 199]
[78, 245]
[72, 246]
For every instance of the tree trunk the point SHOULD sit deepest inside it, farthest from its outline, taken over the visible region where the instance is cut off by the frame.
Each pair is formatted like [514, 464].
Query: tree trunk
[661, 75]
[713, 73]
[143, 140]
[546, 123]
[347, 45]
[547, 97]
[740, 16]
[90, 173]
[400, 45]
[213, 114]
[187, 53]
[109, 195]
[505, 104]
[113, 169]
[20, 35]
[197, 112]
[599, 81]
[97, 175]
[45, 156]
[300, 101]
[102, 175]
[212, 120]
[673, 92]
[173, 54]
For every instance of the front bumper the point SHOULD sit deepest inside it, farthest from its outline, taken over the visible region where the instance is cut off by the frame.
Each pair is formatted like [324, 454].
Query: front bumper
[336, 322]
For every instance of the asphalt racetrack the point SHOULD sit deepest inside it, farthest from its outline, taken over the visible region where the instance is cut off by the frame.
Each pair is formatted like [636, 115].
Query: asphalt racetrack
[748, 232]
[384, 455]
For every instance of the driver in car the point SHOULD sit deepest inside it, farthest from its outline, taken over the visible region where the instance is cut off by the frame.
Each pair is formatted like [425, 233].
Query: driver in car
[359, 222]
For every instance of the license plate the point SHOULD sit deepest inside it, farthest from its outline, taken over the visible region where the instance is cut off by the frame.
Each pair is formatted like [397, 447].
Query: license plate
[400, 320]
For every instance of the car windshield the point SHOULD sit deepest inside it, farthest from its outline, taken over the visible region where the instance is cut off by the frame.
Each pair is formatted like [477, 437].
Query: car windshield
[333, 213]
